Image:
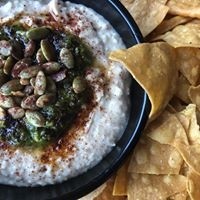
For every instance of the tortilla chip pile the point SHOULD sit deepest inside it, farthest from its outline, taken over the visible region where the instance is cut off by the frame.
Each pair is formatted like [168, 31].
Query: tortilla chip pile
[165, 164]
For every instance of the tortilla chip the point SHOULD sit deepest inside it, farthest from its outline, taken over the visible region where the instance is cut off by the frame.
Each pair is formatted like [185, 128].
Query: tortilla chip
[183, 36]
[179, 196]
[143, 187]
[184, 8]
[195, 21]
[190, 154]
[107, 192]
[184, 169]
[151, 157]
[198, 116]
[193, 132]
[168, 132]
[171, 109]
[146, 13]
[177, 104]
[193, 183]
[184, 120]
[94, 193]
[194, 94]
[151, 64]
[189, 63]
[173, 132]
[182, 89]
[104, 192]
[121, 180]
[162, 1]
[167, 25]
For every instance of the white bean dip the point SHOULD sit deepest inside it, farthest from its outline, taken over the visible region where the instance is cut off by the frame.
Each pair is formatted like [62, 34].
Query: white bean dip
[107, 120]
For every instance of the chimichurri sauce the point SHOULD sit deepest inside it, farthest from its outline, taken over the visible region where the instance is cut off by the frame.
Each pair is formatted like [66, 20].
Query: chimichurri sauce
[42, 83]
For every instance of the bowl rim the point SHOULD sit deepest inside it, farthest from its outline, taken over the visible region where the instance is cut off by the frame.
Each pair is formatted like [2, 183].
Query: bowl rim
[146, 106]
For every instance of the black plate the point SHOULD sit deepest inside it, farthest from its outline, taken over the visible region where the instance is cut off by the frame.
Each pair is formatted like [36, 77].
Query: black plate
[73, 189]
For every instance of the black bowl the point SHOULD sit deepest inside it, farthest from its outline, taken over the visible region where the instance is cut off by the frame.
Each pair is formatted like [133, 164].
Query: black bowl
[74, 188]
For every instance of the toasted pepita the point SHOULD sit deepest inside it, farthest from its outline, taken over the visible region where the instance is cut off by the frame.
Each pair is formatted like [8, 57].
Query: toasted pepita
[35, 118]
[9, 64]
[17, 50]
[30, 49]
[11, 86]
[40, 56]
[3, 77]
[5, 48]
[28, 90]
[67, 58]
[45, 100]
[29, 72]
[40, 83]
[51, 67]
[20, 65]
[24, 81]
[2, 114]
[38, 33]
[29, 102]
[51, 86]
[48, 50]
[16, 112]
[79, 84]
[6, 101]
[59, 76]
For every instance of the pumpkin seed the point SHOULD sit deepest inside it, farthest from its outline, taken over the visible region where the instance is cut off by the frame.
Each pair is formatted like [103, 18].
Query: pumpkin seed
[48, 50]
[45, 100]
[61, 75]
[5, 48]
[3, 77]
[29, 72]
[51, 86]
[79, 84]
[2, 62]
[29, 102]
[17, 50]
[30, 49]
[38, 33]
[32, 82]
[67, 58]
[40, 83]
[40, 57]
[35, 118]
[6, 101]
[24, 81]
[2, 124]
[18, 94]
[28, 90]
[2, 114]
[11, 86]
[19, 66]
[17, 100]
[9, 64]
[16, 112]
[51, 67]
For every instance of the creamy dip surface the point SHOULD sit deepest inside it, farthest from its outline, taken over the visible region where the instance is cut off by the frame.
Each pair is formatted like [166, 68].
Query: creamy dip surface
[90, 139]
